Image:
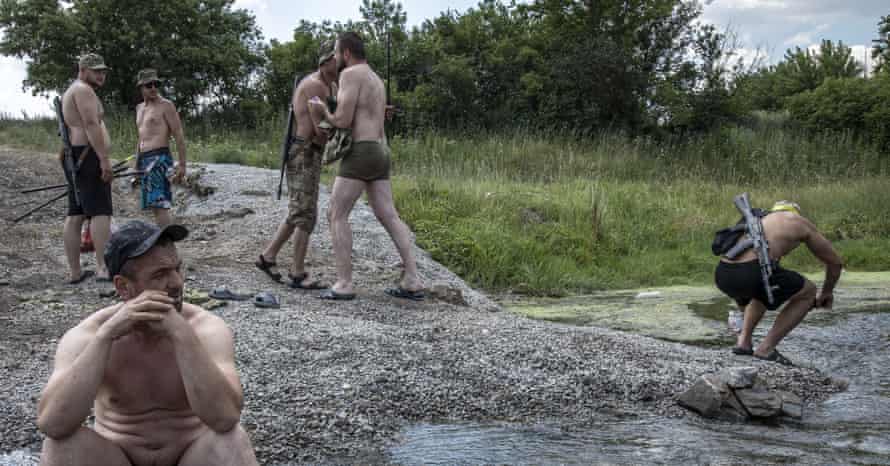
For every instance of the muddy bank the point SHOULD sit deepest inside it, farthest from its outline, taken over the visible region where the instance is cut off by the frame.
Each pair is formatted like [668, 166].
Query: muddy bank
[335, 382]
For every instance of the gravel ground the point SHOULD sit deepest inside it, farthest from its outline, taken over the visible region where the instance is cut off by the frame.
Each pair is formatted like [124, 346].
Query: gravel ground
[336, 382]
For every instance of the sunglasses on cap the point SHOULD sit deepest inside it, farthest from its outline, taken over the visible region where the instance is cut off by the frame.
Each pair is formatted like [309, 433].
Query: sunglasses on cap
[150, 85]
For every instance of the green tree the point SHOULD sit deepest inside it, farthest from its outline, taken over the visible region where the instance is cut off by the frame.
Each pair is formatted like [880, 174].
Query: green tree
[881, 50]
[203, 49]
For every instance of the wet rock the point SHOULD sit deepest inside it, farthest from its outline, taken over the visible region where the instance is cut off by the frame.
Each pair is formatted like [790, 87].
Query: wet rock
[741, 377]
[760, 402]
[446, 293]
[737, 392]
[706, 397]
[792, 406]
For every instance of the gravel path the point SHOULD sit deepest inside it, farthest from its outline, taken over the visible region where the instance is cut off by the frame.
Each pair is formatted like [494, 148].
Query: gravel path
[336, 382]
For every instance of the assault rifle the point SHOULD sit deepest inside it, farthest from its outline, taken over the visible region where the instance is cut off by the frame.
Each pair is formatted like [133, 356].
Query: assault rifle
[288, 135]
[755, 239]
[69, 164]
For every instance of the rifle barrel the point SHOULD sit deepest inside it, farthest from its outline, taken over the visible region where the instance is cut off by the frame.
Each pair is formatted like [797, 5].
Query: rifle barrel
[28, 213]
[117, 169]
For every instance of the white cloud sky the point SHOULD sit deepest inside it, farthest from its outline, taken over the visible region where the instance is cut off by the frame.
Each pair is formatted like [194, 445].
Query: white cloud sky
[768, 26]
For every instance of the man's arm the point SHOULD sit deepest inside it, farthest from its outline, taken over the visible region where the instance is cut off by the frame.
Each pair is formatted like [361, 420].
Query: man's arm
[175, 124]
[316, 113]
[822, 249]
[206, 358]
[347, 99]
[71, 390]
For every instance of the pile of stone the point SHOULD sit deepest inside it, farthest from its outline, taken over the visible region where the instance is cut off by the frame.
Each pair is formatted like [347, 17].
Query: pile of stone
[738, 393]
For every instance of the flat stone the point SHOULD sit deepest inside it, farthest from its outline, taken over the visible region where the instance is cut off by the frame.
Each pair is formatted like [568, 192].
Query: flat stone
[446, 293]
[792, 405]
[705, 397]
[760, 403]
[740, 377]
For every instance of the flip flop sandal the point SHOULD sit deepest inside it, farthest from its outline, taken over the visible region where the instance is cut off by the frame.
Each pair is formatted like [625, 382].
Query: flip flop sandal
[402, 293]
[296, 282]
[83, 276]
[775, 356]
[266, 267]
[742, 351]
[225, 294]
[334, 296]
[266, 300]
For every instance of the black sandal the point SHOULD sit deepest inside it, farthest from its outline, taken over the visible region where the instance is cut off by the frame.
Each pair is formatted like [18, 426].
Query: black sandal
[266, 267]
[296, 282]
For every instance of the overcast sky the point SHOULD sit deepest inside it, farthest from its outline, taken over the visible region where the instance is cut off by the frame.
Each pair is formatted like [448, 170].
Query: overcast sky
[771, 26]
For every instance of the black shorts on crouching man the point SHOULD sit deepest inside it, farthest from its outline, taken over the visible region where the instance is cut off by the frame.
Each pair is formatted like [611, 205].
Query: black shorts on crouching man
[95, 194]
[742, 282]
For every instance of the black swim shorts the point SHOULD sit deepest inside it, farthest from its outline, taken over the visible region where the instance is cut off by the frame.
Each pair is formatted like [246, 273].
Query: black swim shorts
[94, 194]
[742, 282]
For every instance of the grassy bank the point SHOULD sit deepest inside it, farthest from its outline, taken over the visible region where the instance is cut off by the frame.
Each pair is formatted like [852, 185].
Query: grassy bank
[545, 215]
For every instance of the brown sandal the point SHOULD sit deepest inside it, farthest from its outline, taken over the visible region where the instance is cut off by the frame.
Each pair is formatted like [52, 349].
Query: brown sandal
[266, 266]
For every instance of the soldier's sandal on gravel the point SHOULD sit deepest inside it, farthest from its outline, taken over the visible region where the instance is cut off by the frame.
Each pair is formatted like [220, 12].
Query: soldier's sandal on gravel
[265, 300]
[400, 292]
[333, 295]
[296, 282]
[775, 356]
[224, 293]
[266, 266]
[83, 276]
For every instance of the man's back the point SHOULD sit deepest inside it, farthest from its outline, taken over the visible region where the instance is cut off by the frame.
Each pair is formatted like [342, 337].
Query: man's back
[784, 232]
[370, 102]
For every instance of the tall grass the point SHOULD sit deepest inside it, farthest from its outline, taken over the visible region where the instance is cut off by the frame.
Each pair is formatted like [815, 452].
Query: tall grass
[553, 214]
[543, 214]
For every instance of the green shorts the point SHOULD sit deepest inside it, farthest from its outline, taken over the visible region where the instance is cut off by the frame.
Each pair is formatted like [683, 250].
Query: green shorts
[367, 161]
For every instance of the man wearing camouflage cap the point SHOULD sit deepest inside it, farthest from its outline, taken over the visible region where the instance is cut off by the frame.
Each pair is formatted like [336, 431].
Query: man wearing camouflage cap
[90, 144]
[303, 172]
[156, 120]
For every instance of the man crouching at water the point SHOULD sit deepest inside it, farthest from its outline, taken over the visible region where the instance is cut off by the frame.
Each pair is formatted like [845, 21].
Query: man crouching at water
[740, 278]
[158, 373]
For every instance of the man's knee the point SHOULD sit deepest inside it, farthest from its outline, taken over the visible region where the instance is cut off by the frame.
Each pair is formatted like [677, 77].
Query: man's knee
[232, 447]
[82, 447]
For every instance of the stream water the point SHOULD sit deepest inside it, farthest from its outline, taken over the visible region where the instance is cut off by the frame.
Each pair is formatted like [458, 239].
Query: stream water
[853, 427]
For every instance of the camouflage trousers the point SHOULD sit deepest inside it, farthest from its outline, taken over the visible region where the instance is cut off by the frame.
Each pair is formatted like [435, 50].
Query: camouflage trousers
[303, 173]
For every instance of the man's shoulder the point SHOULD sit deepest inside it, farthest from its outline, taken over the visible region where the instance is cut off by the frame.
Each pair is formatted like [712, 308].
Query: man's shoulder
[167, 104]
[90, 325]
[202, 320]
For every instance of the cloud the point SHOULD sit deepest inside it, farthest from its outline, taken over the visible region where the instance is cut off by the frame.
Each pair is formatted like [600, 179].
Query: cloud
[13, 100]
[777, 25]
[255, 5]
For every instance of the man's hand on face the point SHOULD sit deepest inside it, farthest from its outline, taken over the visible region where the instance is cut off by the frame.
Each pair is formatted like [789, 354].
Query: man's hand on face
[151, 307]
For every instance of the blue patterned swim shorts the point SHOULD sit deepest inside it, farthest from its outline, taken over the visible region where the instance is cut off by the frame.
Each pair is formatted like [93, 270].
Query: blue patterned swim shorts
[156, 164]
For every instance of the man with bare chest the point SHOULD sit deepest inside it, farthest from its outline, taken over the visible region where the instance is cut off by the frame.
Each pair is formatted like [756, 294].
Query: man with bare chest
[361, 107]
[90, 144]
[156, 121]
[303, 175]
[158, 373]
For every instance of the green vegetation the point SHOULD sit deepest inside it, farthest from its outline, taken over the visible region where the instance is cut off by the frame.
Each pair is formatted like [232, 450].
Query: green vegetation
[553, 215]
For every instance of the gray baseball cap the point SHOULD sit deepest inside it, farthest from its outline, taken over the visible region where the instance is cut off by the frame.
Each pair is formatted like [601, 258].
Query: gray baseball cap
[134, 239]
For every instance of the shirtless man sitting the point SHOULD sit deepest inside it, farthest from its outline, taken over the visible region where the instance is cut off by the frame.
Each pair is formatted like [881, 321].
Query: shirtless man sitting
[159, 373]
[156, 121]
